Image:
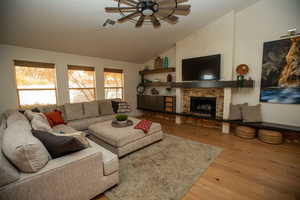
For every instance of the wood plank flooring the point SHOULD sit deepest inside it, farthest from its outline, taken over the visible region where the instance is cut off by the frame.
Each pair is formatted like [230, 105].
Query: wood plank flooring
[245, 170]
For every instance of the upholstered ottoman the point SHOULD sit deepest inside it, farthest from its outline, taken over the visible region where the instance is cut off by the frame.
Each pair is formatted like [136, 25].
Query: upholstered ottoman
[122, 141]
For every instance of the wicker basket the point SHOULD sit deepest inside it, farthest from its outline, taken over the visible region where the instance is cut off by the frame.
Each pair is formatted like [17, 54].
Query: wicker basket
[270, 137]
[245, 132]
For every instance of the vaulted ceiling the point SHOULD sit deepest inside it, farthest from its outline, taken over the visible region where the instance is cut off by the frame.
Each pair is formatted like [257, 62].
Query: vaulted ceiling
[75, 26]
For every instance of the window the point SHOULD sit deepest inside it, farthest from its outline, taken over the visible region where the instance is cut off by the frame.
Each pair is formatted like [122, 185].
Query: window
[81, 84]
[113, 83]
[35, 83]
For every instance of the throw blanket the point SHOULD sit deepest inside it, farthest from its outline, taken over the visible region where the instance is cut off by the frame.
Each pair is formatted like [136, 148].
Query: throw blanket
[144, 125]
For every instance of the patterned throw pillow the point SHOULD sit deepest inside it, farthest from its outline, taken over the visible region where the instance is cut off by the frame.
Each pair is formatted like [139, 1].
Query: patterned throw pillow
[144, 125]
[123, 107]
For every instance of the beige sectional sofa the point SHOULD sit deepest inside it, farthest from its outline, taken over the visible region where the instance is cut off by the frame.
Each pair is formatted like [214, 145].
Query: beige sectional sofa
[77, 176]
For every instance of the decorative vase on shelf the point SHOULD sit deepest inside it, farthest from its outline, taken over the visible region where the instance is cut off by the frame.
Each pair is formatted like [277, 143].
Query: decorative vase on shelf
[169, 78]
[166, 62]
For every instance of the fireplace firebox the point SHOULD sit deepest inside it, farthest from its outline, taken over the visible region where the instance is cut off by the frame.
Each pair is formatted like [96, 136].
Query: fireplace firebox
[203, 106]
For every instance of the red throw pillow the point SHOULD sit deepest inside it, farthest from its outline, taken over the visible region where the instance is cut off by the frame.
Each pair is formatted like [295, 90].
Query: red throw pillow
[144, 125]
[54, 118]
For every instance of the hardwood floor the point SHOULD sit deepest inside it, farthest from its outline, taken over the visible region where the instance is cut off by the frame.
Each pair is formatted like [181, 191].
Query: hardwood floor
[246, 169]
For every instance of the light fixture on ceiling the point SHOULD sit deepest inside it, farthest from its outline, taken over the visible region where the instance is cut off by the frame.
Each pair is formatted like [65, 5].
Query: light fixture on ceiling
[291, 33]
[150, 11]
[109, 21]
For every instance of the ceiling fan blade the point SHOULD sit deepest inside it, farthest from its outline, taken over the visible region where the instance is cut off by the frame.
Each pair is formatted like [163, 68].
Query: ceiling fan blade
[177, 11]
[117, 10]
[179, 7]
[132, 1]
[165, 2]
[155, 22]
[128, 17]
[182, 12]
[140, 22]
[125, 2]
[171, 19]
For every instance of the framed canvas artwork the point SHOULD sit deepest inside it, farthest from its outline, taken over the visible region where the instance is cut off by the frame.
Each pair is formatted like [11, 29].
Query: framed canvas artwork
[280, 78]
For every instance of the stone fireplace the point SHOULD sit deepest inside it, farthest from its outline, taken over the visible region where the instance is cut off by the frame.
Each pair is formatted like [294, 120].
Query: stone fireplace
[203, 106]
[207, 102]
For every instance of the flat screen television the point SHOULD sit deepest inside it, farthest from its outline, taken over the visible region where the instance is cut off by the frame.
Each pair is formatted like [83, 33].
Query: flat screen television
[202, 68]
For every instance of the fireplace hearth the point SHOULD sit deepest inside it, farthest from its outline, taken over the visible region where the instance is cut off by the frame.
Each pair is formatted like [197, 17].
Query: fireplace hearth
[203, 106]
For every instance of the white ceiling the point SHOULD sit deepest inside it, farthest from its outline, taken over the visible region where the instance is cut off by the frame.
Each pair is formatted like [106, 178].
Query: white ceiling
[74, 26]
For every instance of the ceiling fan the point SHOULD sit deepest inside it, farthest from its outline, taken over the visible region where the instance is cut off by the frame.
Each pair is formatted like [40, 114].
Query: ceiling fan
[150, 11]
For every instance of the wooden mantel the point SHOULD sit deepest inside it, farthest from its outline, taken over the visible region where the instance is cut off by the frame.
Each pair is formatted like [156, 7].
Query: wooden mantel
[203, 84]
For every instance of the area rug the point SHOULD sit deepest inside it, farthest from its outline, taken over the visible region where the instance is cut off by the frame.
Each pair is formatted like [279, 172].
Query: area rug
[162, 171]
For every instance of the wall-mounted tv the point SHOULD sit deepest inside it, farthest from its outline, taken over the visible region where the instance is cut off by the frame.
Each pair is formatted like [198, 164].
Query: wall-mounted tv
[202, 68]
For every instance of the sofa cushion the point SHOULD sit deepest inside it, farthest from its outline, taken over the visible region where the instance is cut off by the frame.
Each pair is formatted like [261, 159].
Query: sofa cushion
[119, 137]
[106, 108]
[40, 122]
[14, 117]
[29, 114]
[74, 111]
[59, 146]
[25, 151]
[91, 109]
[54, 118]
[62, 128]
[236, 111]
[94, 152]
[8, 173]
[252, 113]
[83, 124]
[51, 108]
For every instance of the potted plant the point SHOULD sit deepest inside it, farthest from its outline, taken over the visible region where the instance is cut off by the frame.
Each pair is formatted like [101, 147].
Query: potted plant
[121, 118]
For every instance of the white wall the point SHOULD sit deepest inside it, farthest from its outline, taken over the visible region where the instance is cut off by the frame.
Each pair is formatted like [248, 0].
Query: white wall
[265, 21]
[215, 38]
[8, 86]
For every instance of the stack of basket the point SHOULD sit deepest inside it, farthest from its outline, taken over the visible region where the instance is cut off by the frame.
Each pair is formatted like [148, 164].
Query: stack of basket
[271, 137]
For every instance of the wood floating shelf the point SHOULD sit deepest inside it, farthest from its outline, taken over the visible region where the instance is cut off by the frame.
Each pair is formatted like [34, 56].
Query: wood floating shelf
[203, 84]
[158, 84]
[157, 71]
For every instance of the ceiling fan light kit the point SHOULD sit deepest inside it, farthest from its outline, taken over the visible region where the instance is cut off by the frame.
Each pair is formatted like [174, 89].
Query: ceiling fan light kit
[150, 11]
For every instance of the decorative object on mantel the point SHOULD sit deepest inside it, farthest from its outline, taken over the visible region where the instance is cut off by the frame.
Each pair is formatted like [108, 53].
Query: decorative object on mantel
[150, 11]
[169, 78]
[165, 62]
[140, 89]
[280, 82]
[156, 80]
[241, 70]
[154, 91]
[158, 64]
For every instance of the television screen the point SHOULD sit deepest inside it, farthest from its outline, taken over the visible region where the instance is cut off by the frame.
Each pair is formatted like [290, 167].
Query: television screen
[202, 68]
